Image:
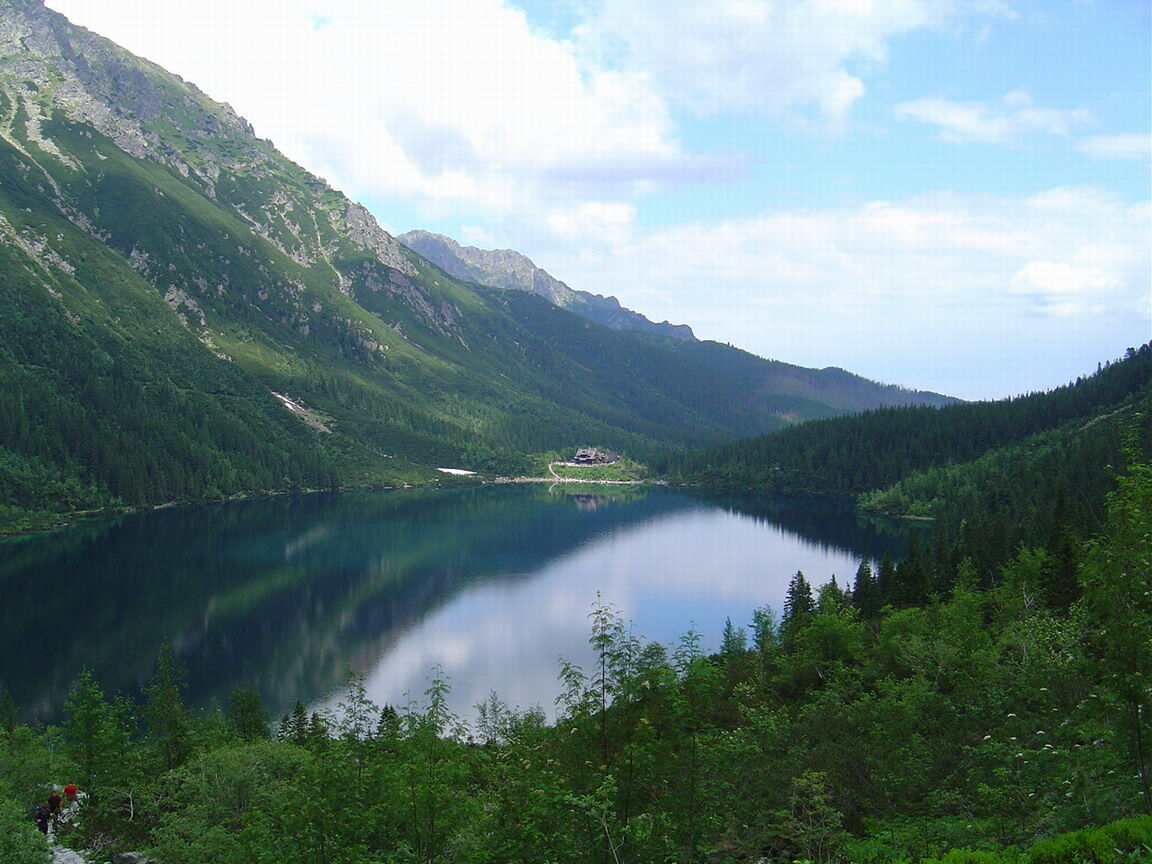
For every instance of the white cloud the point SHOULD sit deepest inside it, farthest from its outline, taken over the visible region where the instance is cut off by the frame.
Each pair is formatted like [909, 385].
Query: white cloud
[1135, 147]
[460, 106]
[455, 101]
[1062, 289]
[1008, 120]
[789, 57]
[597, 221]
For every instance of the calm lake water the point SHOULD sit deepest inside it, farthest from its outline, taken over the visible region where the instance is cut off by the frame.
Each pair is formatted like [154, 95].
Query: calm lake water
[492, 584]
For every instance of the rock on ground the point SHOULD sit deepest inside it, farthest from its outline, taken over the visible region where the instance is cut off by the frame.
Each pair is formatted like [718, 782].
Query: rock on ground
[60, 855]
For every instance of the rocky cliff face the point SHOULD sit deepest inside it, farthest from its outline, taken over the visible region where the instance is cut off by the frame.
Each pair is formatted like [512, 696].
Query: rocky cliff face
[52, 70]
[94, 82]
[510, 270]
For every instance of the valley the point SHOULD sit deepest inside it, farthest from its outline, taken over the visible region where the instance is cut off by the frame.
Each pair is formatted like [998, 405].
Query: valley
[321, 544]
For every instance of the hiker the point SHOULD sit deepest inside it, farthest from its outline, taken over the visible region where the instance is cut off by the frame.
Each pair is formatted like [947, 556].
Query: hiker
[54, 805]
[42, 816]
[71, 803]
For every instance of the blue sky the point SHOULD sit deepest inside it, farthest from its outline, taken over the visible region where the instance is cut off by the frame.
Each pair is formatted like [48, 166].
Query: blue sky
[944, 194]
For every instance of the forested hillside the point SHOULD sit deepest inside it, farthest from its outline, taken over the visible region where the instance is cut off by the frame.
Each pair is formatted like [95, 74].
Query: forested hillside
[879, 447]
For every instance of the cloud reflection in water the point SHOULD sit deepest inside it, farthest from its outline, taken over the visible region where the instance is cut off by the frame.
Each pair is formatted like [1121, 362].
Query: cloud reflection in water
[679, 571]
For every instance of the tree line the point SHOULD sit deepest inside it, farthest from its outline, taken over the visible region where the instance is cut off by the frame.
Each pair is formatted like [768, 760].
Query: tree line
[878, 448]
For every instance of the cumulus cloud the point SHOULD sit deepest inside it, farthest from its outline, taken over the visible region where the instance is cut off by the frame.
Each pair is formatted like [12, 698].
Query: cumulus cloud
[786, 56]
[1010, 119]
[598, 221]
[459, 100]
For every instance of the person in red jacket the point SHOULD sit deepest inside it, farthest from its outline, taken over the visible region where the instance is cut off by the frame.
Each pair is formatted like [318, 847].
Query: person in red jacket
[71, 803]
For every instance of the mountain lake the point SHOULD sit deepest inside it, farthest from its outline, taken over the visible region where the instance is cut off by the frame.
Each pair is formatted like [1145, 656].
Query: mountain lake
[486, 586]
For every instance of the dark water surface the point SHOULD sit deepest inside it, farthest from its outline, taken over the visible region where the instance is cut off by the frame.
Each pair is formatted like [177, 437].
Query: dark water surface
[492, 584]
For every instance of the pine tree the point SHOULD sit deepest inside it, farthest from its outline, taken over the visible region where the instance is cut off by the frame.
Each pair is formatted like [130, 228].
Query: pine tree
[764, 631]
[317, 731]
[1060, 586]
[909, 583]
[294, 726]
[885, 576]
[86, 719]
[247, 715]
[866, 592]
[831, 597]
[735, 640]
[164, 711]
[798, 607]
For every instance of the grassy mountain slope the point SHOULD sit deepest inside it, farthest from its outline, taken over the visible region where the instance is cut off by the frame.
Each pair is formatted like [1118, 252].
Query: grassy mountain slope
[188, 314]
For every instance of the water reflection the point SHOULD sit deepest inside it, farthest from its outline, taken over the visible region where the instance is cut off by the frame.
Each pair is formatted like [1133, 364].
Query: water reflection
[492, 583]
[688, 569]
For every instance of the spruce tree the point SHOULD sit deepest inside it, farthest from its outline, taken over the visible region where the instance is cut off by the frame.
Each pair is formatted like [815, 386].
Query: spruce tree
[735, 640]
[164, 711]
[831, 597]
[885, 577]
[247, 715]
[866, 592]
[798, 607]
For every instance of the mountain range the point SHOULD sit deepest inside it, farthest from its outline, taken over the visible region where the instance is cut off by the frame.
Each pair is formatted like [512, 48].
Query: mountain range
[509, 269]
[186, 313]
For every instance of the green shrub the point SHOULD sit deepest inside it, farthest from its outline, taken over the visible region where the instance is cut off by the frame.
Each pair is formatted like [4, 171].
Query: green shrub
[1126, 840]
[20, 841]
[974, 856]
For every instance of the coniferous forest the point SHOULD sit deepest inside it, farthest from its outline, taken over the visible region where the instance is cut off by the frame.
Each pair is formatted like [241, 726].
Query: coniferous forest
[984, 699]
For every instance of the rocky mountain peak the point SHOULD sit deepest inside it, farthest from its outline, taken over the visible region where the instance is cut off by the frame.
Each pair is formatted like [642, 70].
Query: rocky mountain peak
[50, 65]
[514, 271]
